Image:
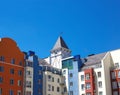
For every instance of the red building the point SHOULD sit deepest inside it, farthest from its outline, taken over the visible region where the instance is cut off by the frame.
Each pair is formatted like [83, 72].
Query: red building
[11, 68]
[115, 81]
[89, 81]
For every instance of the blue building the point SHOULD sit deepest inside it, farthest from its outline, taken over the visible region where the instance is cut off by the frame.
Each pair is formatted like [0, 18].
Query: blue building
[33, 75]
[70, 69]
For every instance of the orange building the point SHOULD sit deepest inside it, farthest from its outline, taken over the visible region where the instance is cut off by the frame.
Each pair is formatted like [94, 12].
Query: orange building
[11, 68]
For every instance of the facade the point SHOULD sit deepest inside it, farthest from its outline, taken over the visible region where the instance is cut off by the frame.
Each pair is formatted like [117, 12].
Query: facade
[115, 72]
[11, 68]
[53, 81]
[59, 74]
[70, 69]
[33, 75]
[94, 76]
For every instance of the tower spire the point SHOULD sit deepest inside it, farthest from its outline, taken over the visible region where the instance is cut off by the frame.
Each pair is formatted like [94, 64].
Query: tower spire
[60, 43]
[58, 52]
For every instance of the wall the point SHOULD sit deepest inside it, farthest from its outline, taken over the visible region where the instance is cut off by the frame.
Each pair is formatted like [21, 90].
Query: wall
[10, 50]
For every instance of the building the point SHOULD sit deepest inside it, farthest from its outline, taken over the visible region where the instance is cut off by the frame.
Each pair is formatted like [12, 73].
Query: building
[70, 69]
[94, 76]
[115, 72]
[53, 81]
[33, 75]
[11, 68]
[59, 74]
[58, 52]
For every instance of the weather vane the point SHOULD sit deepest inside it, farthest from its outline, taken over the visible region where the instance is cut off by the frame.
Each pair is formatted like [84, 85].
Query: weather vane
[61, 33]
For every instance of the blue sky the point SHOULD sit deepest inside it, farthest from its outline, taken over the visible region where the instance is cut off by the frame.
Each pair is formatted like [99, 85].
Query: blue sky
[88, 26]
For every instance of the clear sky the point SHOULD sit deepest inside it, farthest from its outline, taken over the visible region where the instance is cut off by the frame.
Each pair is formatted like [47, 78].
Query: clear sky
[88, 26]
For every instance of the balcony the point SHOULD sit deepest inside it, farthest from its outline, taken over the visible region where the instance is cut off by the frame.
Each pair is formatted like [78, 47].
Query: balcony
[62, 83]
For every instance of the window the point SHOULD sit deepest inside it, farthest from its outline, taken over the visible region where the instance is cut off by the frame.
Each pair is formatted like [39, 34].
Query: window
[2, 58]
[49, 87]
[11, 71]
[28, 93]
[82, 77]
[39, 91]
[40, 72]
[114, 85]
[11, 92]
[71, 92]
[1, 68]
[39, 81]
[58, 80]
[19, 92]
[117, 65]
[87, 76]
[52, 88]
[58, 89]
[49, 77]
[82, 86]
[64, 71]
[19, 83]
[28, 74]
[52, 79]
[13, 61]
[30, 64]
[99, 74]
[113, 74]
[100, 93]
[65, 89]
[71, 83]
[115, 92]
[0, 91]
[88, 93]
[119, 84]
[118, 74]
[71, 75]
[100, 84]
[1, 80]
[20, 63]
[88, 86]
[11, 81]
[20, 72]
[28, 84]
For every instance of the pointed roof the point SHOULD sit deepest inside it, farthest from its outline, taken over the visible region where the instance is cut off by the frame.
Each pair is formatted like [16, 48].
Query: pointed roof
[60, 44]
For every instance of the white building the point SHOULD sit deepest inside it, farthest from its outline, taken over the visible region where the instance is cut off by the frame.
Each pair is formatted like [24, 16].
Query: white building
[59, 51]
[94, 77]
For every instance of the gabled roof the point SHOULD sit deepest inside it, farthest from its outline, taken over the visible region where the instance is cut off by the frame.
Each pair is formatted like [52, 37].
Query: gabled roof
[94, 59]
[60, 44]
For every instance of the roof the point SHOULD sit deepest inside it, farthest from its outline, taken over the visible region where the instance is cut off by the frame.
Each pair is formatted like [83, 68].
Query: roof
[94, 59]
[43, 62]
[60, 43]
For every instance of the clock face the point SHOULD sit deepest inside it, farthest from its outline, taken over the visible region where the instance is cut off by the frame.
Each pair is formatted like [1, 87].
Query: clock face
[56, 62]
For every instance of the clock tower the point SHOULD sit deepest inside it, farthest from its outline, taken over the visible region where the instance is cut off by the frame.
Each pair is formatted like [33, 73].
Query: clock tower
[58, 52]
